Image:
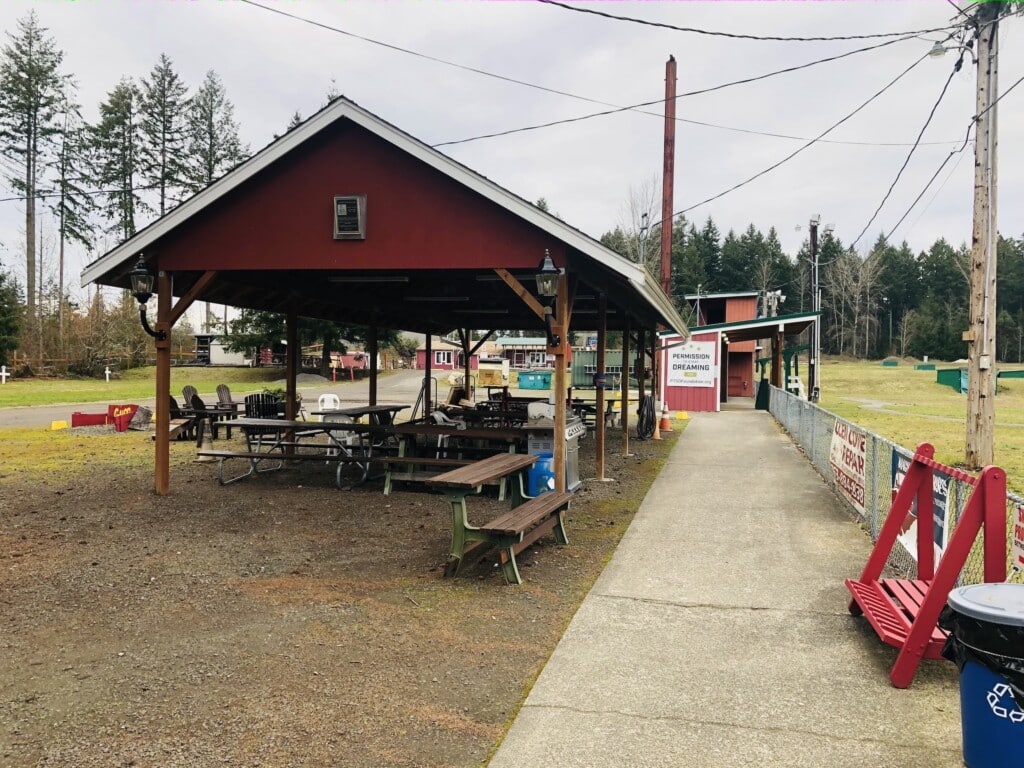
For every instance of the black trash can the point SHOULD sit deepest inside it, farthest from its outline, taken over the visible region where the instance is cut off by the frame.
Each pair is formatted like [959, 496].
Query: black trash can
[986, 626]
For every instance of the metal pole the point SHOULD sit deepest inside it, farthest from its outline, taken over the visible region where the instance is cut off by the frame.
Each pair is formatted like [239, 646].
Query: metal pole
[980, 337]
[812, 368]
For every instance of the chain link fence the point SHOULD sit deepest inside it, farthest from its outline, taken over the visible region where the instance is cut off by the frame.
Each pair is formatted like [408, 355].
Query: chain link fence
[811, 427]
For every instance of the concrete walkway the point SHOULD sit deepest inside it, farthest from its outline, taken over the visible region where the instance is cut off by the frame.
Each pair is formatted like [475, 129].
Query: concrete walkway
[719, 636]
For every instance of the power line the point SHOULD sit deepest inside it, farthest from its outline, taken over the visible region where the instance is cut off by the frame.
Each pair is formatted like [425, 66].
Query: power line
[813, 141]
[906, 161]
[617, 109]
[734, 35]
[614, 108]
[930, 181]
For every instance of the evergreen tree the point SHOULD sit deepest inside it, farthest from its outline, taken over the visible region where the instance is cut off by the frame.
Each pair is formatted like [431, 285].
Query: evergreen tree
[899, 282]
[31, 91]
[10, 316]
[213, 144]
[162, 113]
[709, 251]
[116, 141]
[72, 204]
[734, 273]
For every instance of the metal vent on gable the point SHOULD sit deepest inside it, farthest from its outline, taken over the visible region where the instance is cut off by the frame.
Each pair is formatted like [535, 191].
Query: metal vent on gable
[350, 217]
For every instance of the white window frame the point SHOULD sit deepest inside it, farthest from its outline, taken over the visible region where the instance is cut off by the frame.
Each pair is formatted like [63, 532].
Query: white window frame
[442, 357]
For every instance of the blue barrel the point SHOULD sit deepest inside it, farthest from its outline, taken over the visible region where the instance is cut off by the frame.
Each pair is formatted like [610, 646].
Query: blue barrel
[541, 477]
[988, 644]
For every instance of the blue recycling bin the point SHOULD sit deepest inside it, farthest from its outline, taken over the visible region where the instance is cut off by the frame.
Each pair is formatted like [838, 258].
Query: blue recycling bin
[541, 476]
[986, 623]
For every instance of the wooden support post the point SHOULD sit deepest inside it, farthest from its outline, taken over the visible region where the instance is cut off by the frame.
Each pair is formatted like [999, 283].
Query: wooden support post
[561, 318]
[602, 342]
[162, 458]
[373, 365]
[293, 352]
[624, 388]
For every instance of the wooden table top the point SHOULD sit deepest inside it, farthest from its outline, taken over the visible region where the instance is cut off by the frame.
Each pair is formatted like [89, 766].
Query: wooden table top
[488, 470]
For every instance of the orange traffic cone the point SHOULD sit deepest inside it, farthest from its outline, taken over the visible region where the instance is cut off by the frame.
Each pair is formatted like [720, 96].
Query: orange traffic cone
[666, 423]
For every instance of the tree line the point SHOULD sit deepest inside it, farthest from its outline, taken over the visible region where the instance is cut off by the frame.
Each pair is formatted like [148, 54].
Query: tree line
[156, 142]
[91, 184]
[889, 301]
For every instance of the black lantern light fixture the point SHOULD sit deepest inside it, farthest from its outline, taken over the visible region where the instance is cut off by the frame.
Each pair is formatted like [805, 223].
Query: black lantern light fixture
[547, 287]
[142, 290]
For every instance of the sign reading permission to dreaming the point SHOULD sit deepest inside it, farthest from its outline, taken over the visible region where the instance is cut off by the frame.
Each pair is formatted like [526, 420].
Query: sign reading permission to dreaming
[692, 364]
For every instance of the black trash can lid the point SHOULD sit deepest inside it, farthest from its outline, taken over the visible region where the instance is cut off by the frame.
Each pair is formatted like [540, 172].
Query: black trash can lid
[994, 603]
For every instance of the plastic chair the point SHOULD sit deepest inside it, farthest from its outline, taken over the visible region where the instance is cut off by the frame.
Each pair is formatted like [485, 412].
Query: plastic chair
[187, 393]
[442, 418]
[327, 402]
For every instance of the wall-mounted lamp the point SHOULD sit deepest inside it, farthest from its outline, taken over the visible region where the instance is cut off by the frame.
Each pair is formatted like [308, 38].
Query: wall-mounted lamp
[547, 287]
[142, 290]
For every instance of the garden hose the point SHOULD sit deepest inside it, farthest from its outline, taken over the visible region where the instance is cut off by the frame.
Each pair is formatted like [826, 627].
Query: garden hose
[645, 418]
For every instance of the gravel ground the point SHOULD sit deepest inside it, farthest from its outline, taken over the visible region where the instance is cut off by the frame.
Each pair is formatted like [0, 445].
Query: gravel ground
[273, 622]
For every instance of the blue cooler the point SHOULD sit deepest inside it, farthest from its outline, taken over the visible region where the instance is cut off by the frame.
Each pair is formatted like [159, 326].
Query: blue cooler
[987, 642]
[541, 476]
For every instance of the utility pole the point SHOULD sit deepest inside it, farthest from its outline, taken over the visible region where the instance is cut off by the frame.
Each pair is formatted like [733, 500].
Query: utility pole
[981, 334]
[812, 367]
[668, 176]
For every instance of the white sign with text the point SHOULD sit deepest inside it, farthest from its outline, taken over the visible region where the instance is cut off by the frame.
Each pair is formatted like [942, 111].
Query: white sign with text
[692, 365]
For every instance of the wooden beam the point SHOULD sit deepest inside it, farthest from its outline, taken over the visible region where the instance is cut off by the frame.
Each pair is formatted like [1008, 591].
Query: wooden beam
[481, 342]
[528, 298]
[190, 296]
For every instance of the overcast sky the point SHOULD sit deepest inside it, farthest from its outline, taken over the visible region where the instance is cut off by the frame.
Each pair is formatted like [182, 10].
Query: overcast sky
[273, 66]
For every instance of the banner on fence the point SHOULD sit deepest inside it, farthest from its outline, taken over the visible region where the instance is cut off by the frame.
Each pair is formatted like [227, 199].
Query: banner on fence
[940, 506]
[847, 457]
[1018, 538]
[692, 365]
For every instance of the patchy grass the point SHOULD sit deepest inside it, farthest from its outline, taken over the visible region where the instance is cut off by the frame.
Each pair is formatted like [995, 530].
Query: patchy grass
[909, 407]
[134, 384]
[37, 453]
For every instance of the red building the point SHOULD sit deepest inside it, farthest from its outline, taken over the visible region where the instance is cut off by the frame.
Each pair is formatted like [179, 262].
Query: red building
[445, 356]
[718, 362]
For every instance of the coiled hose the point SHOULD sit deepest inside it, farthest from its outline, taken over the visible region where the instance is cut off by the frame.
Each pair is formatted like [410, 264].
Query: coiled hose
[645, 418]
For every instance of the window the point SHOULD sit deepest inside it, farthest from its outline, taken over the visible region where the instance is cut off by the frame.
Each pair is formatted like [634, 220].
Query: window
[443, 357]
[350, 217]
[538, 358]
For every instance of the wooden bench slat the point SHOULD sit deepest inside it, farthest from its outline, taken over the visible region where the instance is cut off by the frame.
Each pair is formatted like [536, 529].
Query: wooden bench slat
[525, 516]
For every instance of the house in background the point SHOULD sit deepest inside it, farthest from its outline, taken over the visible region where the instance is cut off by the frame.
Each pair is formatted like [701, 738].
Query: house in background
[523, 353]
[445, 355]
[738, 361]
[211, 351]
[718, 361]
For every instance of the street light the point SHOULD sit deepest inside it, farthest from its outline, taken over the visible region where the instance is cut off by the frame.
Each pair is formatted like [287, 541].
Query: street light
[547, 287]
[142, 290]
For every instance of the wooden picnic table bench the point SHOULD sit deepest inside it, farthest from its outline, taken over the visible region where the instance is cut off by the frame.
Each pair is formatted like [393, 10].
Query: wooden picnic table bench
[279, 441]
[511, 531]
[413, 465]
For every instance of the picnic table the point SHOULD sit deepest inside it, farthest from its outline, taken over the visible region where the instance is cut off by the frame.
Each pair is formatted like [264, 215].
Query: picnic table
[512, 531]
[453, 447]
[278, 441]
[380, 415]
